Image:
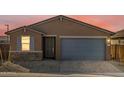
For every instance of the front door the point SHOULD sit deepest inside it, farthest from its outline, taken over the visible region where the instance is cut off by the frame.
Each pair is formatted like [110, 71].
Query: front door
[49, 47]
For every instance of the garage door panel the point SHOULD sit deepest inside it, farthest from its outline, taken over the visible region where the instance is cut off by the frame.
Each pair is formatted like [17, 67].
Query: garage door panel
[86, 49]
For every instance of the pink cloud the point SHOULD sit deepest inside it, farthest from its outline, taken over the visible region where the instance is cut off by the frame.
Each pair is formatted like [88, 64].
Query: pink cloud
[110, 22]
[95, 20]
[17, 21]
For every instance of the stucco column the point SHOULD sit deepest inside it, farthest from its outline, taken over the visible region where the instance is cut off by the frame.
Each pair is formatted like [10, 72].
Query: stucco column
[119, 51]
[58, 56]
[108, 50]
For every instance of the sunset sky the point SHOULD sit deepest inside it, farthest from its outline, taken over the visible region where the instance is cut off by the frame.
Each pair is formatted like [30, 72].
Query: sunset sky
[113, 23]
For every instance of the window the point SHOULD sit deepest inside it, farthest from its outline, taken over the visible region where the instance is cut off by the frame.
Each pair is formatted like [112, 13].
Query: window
[25, 42]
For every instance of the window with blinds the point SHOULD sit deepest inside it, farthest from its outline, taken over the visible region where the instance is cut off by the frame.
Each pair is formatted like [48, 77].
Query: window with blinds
[25, 42]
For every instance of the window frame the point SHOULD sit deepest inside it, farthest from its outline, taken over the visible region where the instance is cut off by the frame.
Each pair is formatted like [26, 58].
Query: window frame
[25, 43]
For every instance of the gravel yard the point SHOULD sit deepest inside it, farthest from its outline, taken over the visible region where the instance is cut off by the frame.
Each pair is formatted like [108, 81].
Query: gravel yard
[51, 66]
[89, 67]
[119, 65]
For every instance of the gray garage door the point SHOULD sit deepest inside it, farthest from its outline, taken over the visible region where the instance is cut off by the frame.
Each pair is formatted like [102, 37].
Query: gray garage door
[82, 49]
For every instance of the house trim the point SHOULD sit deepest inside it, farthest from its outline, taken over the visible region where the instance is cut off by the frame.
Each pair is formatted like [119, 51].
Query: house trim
[25, 28]
[83, 37]
[50, 35]
[27, 51]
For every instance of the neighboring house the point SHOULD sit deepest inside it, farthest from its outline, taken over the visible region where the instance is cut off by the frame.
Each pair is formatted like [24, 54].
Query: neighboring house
[4, 40]
[58, 38]
[117, 46]
[4, 47]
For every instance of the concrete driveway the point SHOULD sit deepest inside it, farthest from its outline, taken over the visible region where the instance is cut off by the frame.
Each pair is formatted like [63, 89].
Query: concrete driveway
[88, 67]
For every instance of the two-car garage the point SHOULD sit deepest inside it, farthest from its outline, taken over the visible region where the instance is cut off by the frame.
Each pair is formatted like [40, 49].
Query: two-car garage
[83, 48]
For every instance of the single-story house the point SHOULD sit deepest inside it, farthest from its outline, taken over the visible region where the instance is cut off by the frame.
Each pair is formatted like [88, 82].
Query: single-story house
[117, 46]
[60, 38]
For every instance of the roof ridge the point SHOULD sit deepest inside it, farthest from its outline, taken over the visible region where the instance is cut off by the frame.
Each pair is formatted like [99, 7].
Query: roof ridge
[45, 20]
[93, 26]
[120, 30]
[72, 19]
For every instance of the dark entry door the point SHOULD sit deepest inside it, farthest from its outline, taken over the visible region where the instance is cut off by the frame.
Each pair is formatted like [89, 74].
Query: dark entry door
[49, 47]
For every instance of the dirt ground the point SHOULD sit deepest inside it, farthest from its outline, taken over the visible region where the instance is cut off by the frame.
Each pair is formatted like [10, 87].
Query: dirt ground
[53, 66]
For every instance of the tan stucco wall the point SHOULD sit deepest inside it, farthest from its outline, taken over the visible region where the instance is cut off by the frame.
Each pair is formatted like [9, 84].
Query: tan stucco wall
[37, 54]
[108, 52]
[37, 39]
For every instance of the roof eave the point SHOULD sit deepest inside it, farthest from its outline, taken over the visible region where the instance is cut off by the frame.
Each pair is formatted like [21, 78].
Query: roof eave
[14, 30]
[74, 20]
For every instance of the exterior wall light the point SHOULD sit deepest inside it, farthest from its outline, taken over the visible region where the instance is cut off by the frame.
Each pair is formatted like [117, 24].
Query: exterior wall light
[108, 41]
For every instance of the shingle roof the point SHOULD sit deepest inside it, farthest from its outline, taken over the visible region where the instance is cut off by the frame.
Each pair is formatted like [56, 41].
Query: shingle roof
[68, 18]
[119, 34]
[74, 20]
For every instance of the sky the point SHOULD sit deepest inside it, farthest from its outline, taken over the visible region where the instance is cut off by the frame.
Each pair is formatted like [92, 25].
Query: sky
[110, 22]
